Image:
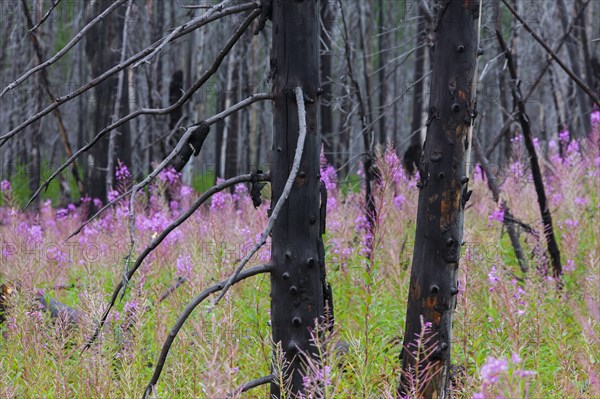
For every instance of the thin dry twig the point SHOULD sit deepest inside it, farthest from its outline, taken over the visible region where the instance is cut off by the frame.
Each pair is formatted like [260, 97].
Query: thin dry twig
[55, 3]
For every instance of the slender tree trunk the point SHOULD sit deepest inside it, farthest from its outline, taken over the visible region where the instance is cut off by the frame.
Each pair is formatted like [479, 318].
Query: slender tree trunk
[535, 166]
[329, 137]
[412, 155]
[298, 290]
[442, 197]
[581, 100]
[103, 42]
[383, 44]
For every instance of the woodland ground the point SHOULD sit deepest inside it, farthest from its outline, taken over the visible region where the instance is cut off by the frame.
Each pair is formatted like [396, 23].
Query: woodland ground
[515, 335]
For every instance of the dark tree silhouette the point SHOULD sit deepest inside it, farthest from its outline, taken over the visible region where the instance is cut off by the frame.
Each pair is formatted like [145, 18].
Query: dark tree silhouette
[442, 197]
[298, 288]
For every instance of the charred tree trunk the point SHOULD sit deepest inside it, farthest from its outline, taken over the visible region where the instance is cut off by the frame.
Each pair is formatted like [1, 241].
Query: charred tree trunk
[442, 197]
[535, 165]
[298, 290]
[103, 42]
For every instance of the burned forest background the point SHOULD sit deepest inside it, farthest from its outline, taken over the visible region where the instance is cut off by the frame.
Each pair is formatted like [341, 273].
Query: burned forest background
[300, 198]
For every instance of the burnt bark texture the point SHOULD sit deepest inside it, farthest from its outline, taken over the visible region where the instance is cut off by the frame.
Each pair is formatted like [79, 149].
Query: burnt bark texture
[443, 194]
[298, 287]
[102, 49]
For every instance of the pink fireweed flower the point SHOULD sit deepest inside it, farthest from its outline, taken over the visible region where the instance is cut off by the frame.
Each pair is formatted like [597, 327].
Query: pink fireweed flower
[184, 266]
[329, 177]
[581, 201]
[121, 171]
[112, 195]
[35, 234]
[393, 163]
[573, 148]
[493, 278]
[5, 186]
[595, 117]
[185, 191]
[564, 136]
[399, 201]
[492, 369]
[131, 306]
[497, 215]
[169, 176]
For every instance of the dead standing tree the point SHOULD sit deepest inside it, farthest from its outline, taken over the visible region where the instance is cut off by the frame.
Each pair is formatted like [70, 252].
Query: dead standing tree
[442, 197]
[533, 160]
[298, 288]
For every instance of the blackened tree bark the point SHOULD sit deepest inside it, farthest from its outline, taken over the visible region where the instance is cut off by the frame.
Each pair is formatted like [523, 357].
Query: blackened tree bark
[443, 194]
[298, 290]
[103, 42]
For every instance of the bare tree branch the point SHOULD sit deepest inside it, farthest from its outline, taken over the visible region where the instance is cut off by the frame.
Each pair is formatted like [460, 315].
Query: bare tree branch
[55, 3]
[167, 39]
[158, 111]
[187, 312]
[156, 241]
[65, 49]
[178, 283]
[190, 27]
[564, 67]
[182, 144]
[254, 383]
[46, 82]
[284, 195]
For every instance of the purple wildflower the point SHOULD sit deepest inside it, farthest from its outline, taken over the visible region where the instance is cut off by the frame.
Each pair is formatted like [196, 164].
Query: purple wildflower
[131, 306]
[497, 215]
[399, 201]
[121, 171]
[185, 191]
[595, 117]
[5, 186]
[492, 369]
[112, 195]
[35, 234]
[169, 176]
[184, 266]
[493, 278]
[329, 177]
